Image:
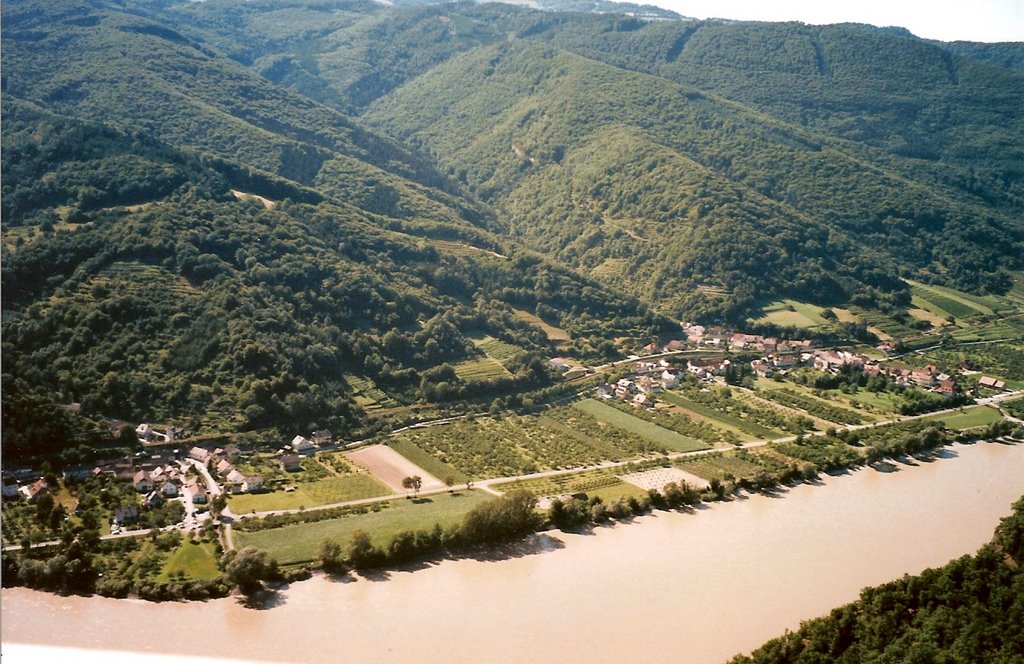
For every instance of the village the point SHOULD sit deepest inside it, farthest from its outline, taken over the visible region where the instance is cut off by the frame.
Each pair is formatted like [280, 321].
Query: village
[204, 476]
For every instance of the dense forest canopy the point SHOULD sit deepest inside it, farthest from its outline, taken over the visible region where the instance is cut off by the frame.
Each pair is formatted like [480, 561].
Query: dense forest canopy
[236, 215]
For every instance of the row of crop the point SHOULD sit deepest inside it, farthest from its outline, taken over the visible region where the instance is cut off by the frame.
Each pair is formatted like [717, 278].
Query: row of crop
[813, 406]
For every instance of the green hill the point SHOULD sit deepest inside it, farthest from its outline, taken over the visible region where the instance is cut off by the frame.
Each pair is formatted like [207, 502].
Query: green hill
[272, 214]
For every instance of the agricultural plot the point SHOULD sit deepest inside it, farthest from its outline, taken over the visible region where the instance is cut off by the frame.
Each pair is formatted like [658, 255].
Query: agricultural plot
[720, 467]
[461, 249]
[480, 369]
[722, 409]
[602, 482]
[610, 441]
[970, 418]
[495, 349]
[813, 406]
[954, 303]
[432, 465]
[310, 494]
[298, 543]
[609, 268]
[652, 432]
[553, 333]
[390, 468]
[513, 445]
[657, 478]
[367, 395]
[791, 313]
[693, 427]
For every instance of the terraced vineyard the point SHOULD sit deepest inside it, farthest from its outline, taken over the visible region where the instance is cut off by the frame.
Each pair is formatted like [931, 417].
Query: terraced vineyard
[480, 369]
[495, 348]
[367, 395]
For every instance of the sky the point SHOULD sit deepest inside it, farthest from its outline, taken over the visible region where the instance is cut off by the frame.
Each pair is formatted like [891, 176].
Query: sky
[946, 20]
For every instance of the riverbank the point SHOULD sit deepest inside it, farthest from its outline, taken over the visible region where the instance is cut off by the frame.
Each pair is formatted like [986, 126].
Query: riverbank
[674, 582]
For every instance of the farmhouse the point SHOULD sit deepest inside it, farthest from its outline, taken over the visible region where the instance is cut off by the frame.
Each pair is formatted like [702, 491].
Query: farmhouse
[322, 437]
[199, 454]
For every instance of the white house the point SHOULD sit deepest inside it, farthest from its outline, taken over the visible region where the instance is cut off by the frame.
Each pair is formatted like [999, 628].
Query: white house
[669, 380]
[302, 445]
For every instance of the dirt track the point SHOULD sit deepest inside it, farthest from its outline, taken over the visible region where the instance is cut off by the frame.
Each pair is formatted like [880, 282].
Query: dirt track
[390, 467]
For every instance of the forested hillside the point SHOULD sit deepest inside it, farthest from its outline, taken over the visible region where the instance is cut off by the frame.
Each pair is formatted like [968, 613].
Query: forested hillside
[264, 216]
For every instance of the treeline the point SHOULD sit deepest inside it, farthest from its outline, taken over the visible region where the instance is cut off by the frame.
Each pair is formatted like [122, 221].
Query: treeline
[971, 610]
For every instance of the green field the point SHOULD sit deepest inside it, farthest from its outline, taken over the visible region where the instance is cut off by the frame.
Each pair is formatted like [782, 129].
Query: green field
[309, 494]
[791, 313]
[954, 303]
[195, 561]
[968, 419]
[652, 432]
[298, 542]
[431, 464]
[744, 425]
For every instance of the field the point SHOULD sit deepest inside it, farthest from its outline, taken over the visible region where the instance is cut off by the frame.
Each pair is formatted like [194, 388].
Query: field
[812, 405]
[309, 494]
[721, 467]
[968, 419]
[298, 542]
[954, 303]
[791, 313]
[195, 561]
[367, 395]
[743, 424]
[432, 465]
[602, 482]
[390, 468]
[609, 268]
[512, 445]
[553, 333]
[495, 348]
[652, 432]
[613, 443]
[480, 369]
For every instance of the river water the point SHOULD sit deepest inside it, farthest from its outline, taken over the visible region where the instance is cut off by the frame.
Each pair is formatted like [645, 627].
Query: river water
[697, 587]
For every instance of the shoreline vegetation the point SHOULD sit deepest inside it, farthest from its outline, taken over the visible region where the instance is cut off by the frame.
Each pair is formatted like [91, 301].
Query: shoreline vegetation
[172, 566]
[969, 610]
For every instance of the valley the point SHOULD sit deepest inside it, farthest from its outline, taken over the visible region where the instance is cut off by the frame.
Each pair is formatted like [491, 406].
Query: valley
[293, 286]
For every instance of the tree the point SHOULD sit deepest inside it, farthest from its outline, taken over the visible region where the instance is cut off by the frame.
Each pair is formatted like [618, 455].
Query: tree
[248, 569]
[449, 482]
[330, 554]
[361, 552]
[412, 483]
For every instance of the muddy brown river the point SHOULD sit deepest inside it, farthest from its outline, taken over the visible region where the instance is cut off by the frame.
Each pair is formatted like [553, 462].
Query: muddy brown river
[697, 587]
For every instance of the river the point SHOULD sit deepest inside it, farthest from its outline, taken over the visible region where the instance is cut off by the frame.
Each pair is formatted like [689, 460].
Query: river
[696, 587]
